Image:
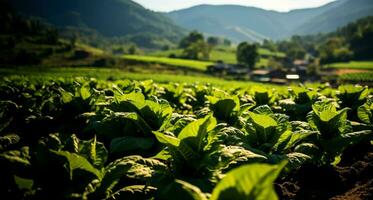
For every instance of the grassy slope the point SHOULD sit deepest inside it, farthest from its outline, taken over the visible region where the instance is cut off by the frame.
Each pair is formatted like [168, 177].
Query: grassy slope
[367, 65]
[193, 64]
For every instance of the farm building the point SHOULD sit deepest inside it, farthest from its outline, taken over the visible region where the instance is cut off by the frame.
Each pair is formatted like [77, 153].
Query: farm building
[230, 69]
[274, 76]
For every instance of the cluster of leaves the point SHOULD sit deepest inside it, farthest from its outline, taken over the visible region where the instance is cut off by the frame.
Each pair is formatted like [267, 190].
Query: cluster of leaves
[89, 139]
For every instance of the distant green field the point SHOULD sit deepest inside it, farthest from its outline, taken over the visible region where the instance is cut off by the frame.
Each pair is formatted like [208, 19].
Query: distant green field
[271, 53]
[116, 74]
[192, 64]
[226, 54]
[367, 65]
[357, 77]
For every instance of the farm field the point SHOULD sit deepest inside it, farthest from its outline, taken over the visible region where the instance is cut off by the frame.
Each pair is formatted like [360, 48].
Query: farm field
[86, 138]
[228, 55]
[192, 64]
[364, 65]
[171, 100]
[117, 74]
[361, 77]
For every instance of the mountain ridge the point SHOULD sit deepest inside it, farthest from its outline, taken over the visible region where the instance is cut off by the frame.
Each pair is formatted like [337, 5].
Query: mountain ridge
[110, 18]
[271, 24]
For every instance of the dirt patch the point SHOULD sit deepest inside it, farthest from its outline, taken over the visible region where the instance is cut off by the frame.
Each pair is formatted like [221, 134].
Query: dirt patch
[350, 71]
[359, 192]
[347, 181]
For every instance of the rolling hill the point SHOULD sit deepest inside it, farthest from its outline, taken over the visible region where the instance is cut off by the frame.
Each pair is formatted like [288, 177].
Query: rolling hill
[110, 18]
[240, 23]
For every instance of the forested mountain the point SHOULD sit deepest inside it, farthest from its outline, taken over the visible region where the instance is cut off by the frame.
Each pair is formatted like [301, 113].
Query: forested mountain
[110, 18]
[248, 23]
[348, 11]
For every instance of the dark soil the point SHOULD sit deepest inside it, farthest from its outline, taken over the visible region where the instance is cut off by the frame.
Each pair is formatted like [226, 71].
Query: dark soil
[352, 179]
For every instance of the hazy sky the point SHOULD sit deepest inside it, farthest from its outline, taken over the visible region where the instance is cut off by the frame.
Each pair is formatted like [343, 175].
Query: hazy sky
[279, 5]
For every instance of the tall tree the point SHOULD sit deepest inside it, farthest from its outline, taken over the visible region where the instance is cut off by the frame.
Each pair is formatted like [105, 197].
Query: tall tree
[213, 41]
[193, 37]
[195, 46]
[247, 54]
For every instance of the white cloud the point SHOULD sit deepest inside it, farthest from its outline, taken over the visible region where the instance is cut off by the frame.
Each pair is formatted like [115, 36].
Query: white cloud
[279, 5]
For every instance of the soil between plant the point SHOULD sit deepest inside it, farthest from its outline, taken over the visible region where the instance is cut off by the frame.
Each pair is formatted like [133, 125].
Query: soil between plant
[352, 179]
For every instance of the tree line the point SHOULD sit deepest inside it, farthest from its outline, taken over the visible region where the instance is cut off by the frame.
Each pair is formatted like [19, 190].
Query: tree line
[352, 42]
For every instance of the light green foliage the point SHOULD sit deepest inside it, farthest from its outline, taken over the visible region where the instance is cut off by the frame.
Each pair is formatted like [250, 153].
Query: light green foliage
[262, 95]
[252, 181]
[77, 162]
[192, 138]
[336, 132]
[365, 112]
[224, 105]
[132, 167]
[181, 190]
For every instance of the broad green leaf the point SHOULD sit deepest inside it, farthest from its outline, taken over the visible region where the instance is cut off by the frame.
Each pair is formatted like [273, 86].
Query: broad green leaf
[17, 158]
[145, 170]
[226, 157]
[136, 98]
[195, 128]
[263, 110]
[119, 124]
[262, 96]
[263, 121]
[289, 139]
[85, 93]
[296, 159]
[328, 121]
[137, 119]
[67, 97]
[134, 192]
[176, 145]
[94, 151]
[8, 140]
[307, 148]
[195, 133]
[223, 109]
[365, 113]
[128, 143]
[249, 182]
[327, 115]
[156, 113]
[352, 96]
[335, 146]
[181, 190]
[166, 139]
[23, 183]
[76, 161]
[263, 128]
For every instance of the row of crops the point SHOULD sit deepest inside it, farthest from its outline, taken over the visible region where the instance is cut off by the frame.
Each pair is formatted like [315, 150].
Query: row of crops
[89, 139]
[366, 77]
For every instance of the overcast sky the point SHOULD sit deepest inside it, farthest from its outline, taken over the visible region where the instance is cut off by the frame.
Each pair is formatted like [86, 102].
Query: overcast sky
[279, 5]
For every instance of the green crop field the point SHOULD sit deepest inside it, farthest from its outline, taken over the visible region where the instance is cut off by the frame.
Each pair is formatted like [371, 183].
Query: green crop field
[364, 65]
[83, 138]
[192, 64]
[117, 74]
[364, 77]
